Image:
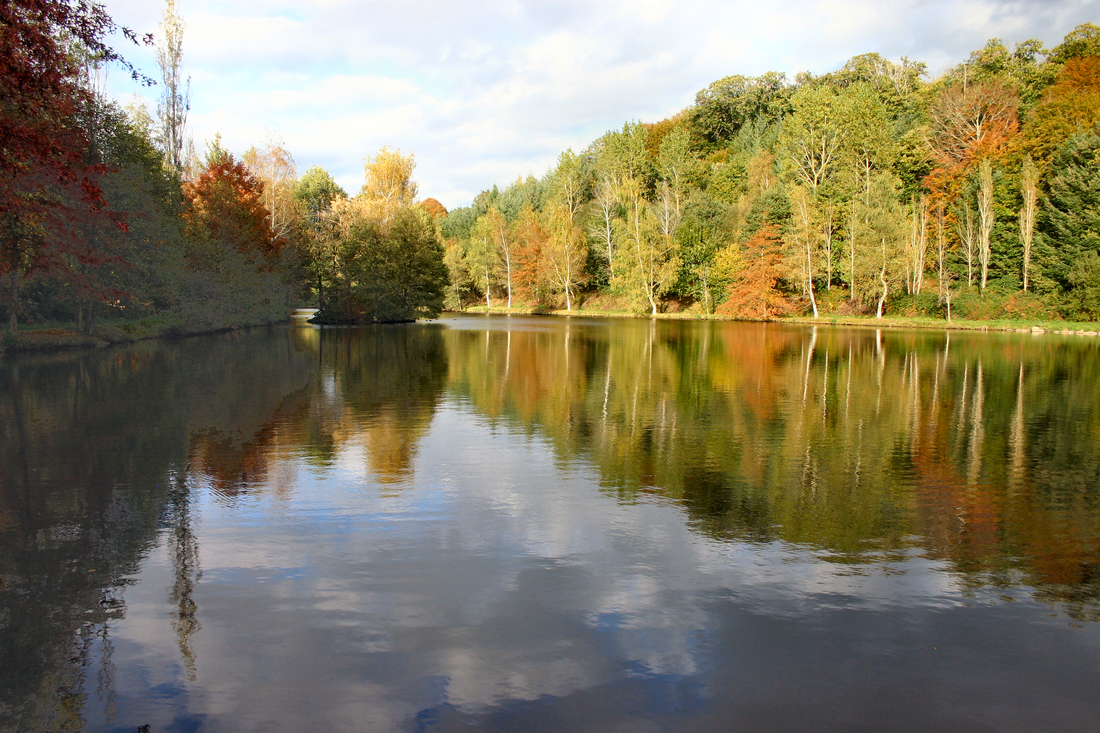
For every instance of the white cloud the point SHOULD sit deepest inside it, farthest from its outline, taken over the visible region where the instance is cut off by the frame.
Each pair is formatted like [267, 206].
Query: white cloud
[486, 91]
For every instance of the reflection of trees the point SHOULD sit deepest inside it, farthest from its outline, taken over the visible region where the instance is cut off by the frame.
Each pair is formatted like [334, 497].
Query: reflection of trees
[851, 441]
[388, 380]
[183, 548]
[89, 445]
[375, 388]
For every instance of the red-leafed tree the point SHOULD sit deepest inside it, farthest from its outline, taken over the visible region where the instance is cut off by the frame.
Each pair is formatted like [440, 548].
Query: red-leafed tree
[48, 188]
[225, 207]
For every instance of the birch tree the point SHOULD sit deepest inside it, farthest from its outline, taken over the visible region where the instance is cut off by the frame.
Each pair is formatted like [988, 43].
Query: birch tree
[986, 217]
[916, 249]
[646, 264]
[564, 252]
[676, 164]
[501, 235]
[805, 241]
[967, 232]
[570, 182]
[601, 226]
[274, 166]
[812, 140]
[482, 258]
[389, 178]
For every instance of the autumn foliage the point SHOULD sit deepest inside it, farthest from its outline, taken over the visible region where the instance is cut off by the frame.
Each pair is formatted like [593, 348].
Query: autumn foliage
[753, 293]
[49, 190]
[225, 203]
[1070, 105]
[969, 123]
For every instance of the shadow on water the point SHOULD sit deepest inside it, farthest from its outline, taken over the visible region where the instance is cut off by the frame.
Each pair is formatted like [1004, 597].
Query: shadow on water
[93, 455]
[102, 453]
[377, 386]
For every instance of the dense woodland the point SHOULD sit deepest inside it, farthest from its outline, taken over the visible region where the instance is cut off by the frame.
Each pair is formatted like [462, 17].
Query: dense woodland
[868, 190]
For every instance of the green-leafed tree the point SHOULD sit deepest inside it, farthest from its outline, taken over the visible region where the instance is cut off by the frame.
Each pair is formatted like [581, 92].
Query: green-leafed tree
[389, 271]
[646, 263]
[316, 190]
[1070, 219]
[729, 104]
[699, 237]
[622, 155]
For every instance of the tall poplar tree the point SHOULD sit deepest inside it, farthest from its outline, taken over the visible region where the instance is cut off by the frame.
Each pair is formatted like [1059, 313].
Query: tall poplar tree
[175, 96]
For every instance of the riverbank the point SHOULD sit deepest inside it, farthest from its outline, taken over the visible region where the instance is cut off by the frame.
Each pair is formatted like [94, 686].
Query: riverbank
[64, 336]
[1023, 325]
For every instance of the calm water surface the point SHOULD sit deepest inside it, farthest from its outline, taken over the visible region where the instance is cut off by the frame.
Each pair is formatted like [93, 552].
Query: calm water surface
[549, 524]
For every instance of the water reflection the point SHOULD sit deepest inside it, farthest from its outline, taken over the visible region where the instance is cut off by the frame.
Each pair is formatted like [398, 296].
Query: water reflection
[93, 449]
[979, 449]
[553, 524]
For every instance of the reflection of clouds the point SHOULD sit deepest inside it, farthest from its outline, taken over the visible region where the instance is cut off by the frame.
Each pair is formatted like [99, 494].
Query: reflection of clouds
[497, 575]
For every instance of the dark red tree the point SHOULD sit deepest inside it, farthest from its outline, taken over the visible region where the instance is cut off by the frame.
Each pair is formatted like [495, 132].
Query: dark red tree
[48, 187]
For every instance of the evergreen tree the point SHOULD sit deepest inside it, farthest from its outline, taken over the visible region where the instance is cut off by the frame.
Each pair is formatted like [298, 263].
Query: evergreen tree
[1070, 224]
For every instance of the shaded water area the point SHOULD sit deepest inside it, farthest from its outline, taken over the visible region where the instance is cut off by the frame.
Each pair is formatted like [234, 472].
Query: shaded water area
[551, 524]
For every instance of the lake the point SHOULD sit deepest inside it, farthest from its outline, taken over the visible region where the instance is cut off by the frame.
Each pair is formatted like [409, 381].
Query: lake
[505, 523]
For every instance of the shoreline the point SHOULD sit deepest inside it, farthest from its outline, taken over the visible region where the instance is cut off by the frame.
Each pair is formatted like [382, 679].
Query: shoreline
[54, 339]
[1031, 325]
[38, 340]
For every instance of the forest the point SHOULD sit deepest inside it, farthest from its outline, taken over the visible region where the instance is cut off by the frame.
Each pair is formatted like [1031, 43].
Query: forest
[871, 190]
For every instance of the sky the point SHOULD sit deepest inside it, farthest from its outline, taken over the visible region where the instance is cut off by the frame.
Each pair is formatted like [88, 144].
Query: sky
[485, 92]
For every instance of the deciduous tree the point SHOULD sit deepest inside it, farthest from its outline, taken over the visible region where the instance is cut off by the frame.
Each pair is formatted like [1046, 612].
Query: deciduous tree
[389, 181]
[225, 206]
[1070, 105]
[274, 167]
[46, 184]
[564, 253]
[987, 217]
[175, 95]
[752, 292]
[969, 123]
[646, 263]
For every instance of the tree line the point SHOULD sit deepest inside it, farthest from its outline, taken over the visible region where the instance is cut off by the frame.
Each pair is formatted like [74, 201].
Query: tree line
[867, 190]
[111, 221]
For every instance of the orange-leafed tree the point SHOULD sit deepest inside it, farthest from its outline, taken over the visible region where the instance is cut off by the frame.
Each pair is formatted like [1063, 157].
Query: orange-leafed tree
[531, 239]
[225, 207]
[969, 123]
[434, 208]
[752, 291]
[1070, 105]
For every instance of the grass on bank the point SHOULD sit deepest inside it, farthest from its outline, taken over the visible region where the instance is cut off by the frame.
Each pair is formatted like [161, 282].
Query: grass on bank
[1026, 314]
[1002, 307]
[888, 321]
[58, 335]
